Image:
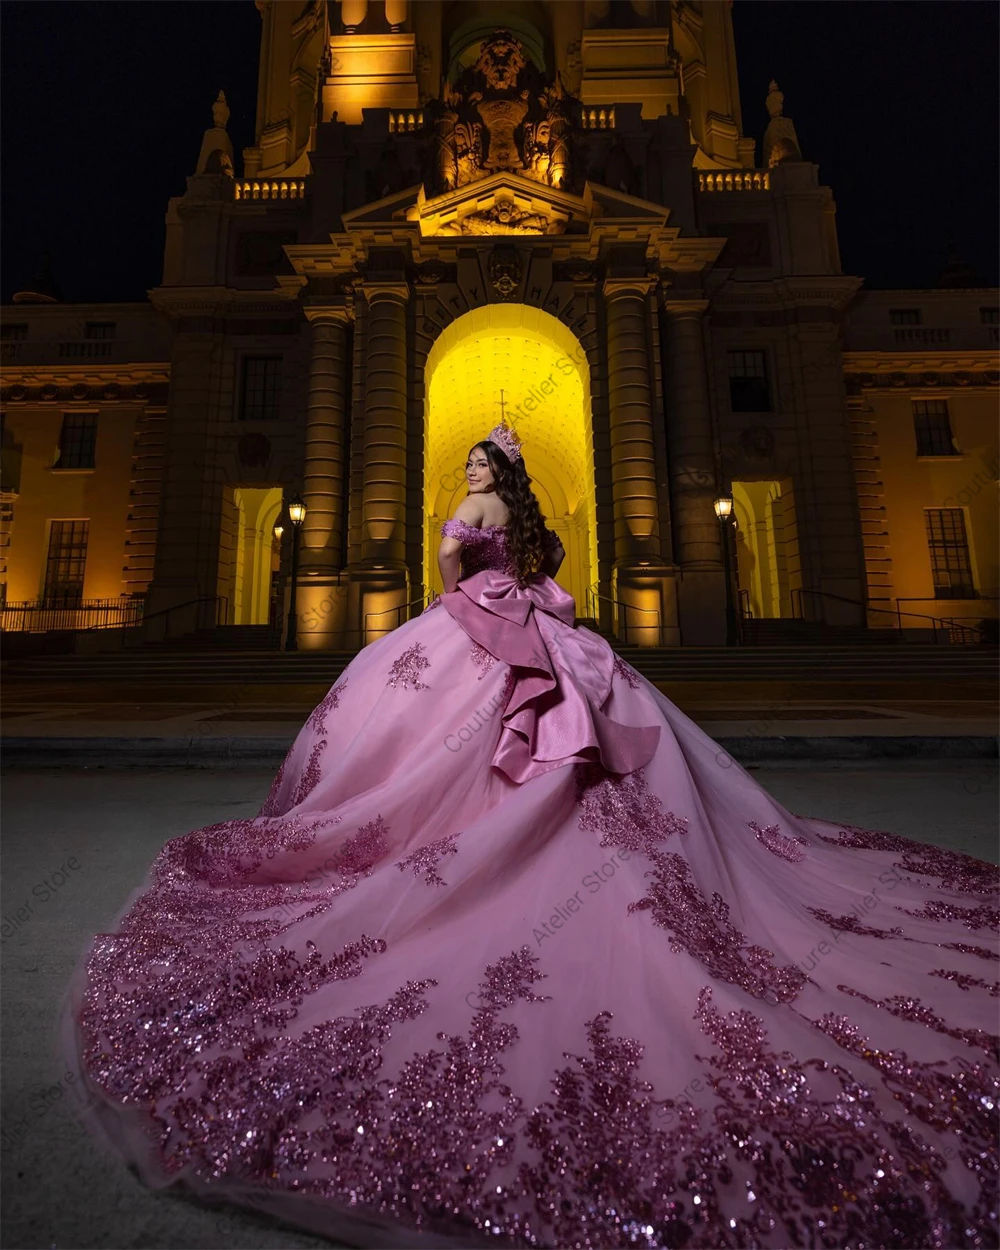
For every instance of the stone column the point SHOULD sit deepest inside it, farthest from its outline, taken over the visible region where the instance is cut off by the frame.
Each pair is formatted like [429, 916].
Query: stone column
[644, 610]
[325, 473]
[383, 508]
[381, 577]
[696, 529]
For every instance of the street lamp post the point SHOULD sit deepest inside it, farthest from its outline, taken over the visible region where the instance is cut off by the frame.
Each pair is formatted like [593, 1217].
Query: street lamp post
[724, 511]
[296, 514]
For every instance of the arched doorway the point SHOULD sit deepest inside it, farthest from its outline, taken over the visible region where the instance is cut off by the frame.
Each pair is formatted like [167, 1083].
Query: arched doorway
[247, 551]
[541, 369]
[767, 546]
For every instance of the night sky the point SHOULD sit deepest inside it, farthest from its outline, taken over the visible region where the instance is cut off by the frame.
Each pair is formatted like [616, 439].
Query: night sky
[104, 105]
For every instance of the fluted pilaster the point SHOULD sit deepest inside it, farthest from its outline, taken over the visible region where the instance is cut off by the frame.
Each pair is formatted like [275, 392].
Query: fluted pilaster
[630, 400]
[689, 438]
[325, 477]
[384, 498]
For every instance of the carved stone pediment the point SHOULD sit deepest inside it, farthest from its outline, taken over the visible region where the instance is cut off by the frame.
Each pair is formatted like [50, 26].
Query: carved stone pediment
[503, 203]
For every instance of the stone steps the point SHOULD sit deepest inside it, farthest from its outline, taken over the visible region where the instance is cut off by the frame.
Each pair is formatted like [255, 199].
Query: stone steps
[918, 662]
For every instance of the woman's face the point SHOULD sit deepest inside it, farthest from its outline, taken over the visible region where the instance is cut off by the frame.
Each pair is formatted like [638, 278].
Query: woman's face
[478, 473]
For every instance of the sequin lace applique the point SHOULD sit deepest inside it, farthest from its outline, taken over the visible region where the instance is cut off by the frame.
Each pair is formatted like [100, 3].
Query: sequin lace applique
[406, 670]
[981, 952]
[364, 848]
[626, 672]
[426, 859]
[485, 547]
[317, 721]
[271, 805]
[793, 1148]
[483, 659]
[955, 870]
[985, 917]
[961, 1102]
[704, 931]
[623, 809]
[852, 924]
[229, 851]
[786, 847]
[789, 1147]
[311, 773]
[913, 1009]
[965, 982]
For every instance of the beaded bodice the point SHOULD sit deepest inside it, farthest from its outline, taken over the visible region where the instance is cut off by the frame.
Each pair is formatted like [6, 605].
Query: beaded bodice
[486, 547]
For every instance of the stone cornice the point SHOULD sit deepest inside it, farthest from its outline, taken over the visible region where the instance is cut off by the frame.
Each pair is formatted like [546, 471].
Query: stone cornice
[611, 288]
[341, 314]
[374, 289]
[680, 307]
[836, 290]
[89, 374]
[215, 301]
[877, 362]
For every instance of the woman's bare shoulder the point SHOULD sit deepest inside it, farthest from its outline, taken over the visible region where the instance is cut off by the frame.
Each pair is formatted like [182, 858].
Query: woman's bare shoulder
[470, 510]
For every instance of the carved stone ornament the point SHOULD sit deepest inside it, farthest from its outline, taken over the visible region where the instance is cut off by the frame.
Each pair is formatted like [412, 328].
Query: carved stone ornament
[757, 443]
[431, 272]
[506, 269]
[80, 391]
[504, 217]
[501, 115]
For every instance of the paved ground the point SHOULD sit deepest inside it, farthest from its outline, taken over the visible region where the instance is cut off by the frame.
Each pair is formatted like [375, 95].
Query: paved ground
[208, 722]
[61, 1191]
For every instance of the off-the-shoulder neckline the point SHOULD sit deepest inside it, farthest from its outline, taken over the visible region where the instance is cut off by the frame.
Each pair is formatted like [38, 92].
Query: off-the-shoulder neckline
[481, 528]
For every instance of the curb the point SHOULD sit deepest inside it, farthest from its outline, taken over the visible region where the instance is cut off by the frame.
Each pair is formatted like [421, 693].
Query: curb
[267, 753]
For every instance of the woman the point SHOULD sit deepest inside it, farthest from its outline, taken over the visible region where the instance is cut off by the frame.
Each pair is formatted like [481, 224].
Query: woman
[513, 954]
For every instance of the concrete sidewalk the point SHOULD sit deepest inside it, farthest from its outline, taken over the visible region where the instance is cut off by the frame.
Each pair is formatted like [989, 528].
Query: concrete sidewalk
[46, 724]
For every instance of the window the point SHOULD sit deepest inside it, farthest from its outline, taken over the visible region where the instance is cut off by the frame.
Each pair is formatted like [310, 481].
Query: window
[77, 440]
[748, 387]
[14, 332]
[990, 316]
[65, 564]
[949, 548]
[261, 376]
[904, 316]
[99, 330]
[932, 428]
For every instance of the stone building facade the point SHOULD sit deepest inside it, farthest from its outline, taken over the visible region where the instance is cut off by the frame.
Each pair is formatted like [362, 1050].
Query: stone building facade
[545, 211]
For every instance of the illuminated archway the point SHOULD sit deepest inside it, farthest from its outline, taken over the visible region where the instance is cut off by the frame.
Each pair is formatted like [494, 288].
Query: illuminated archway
[541, 367]
[245, 552]
[767, 545]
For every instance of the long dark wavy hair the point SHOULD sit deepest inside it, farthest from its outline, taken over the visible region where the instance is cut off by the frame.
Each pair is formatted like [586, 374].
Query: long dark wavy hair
[525, 525]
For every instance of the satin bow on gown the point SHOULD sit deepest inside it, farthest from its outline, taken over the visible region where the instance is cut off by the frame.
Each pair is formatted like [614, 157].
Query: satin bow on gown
[514, 954]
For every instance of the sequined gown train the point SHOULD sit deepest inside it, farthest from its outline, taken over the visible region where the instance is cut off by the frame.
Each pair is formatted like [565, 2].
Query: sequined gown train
[514, 954]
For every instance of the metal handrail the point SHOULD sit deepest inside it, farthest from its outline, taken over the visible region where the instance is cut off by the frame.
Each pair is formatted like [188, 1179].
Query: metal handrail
[743, 595]
[399, 608]
[937, 622]
[189, 603]
[593, 593]
[64, 612]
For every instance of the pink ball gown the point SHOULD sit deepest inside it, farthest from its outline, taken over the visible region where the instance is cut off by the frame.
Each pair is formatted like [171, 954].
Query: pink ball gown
[514, 954]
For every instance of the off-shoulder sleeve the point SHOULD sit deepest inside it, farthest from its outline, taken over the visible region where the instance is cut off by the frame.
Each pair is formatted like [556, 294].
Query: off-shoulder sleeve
[551, 540]
[462, 530]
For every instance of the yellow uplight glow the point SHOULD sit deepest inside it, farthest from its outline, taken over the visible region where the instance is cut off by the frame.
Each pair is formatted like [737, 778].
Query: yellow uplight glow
[542, 370]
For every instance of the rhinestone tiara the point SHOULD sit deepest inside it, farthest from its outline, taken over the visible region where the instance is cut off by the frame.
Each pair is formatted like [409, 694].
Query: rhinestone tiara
[508, 442]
